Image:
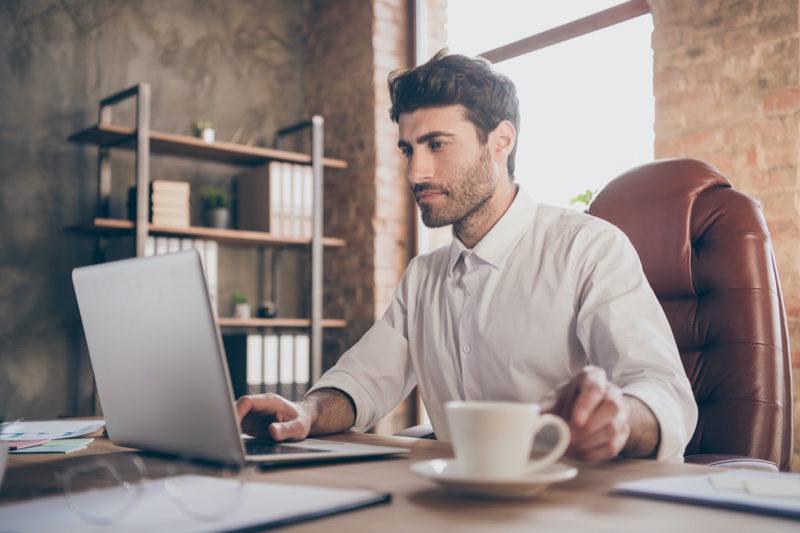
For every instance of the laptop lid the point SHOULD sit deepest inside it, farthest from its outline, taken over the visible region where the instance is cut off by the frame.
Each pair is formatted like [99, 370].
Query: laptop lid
[160, 367]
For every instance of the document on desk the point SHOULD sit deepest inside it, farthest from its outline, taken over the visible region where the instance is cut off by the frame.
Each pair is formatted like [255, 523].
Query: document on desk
[260, 505]
[50, 429]
[745, 490]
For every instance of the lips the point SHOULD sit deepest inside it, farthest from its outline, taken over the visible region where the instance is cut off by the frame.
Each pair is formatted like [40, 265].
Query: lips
[427, 194]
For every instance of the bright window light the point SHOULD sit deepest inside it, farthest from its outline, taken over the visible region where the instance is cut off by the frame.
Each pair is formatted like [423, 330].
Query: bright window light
[587, 104]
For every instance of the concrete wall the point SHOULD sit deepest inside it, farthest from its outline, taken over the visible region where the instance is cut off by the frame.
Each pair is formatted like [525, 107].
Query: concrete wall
[235, 62]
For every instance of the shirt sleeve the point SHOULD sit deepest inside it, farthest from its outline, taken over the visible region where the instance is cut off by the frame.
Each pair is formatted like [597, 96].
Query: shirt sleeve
[623, 329]
[377, 371]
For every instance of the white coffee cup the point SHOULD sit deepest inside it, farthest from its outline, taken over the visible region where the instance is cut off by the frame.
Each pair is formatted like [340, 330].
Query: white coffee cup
[493, 440]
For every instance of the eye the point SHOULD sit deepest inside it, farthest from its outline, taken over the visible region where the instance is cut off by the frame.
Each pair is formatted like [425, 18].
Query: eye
[436, 145]
[406, 151]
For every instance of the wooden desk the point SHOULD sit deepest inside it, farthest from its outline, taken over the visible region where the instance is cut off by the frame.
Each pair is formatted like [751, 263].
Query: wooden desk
[586, 503]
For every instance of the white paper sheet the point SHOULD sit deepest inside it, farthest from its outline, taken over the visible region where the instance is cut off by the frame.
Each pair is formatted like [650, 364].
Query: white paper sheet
[702, 490]
[262, 504]
[50, 429]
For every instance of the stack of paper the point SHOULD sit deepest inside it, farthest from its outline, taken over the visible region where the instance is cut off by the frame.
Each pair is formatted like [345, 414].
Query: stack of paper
[49, 436]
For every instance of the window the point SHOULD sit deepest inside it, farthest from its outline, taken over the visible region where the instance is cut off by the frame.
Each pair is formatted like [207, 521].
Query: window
[587, 104]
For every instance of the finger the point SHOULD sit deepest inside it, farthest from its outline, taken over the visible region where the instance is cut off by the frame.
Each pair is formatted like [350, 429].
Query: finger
[602, 445]
[243, 406]
[269, 403]
[289, 430]
[611, 408]
[591, 392]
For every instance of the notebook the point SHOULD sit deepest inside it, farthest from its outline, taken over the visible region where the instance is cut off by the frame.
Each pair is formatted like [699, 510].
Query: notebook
[160, 367]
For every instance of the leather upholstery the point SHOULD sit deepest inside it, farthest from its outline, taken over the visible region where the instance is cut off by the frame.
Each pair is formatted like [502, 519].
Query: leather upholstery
[706, 251]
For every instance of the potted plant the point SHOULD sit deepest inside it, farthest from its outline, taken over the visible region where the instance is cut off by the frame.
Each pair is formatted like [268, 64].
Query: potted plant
[215, 207]
[241, 309]
[584, 198]
[204, 129]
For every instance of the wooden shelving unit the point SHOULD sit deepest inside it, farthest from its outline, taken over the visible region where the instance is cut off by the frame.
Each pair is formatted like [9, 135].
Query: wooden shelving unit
[113, 136]
[230, 322]
[113, 227]
[144, 142]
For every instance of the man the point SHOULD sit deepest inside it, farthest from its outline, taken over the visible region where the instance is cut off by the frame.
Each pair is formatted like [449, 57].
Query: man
[529, 303]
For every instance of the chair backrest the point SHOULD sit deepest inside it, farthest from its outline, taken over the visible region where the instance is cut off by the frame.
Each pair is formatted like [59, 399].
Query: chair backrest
[707, 254]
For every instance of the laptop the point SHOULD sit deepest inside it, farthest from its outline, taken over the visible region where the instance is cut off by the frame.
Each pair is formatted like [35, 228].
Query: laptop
[160, 367]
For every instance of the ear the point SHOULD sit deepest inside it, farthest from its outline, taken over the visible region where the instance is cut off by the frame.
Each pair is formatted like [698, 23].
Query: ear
[502, 140]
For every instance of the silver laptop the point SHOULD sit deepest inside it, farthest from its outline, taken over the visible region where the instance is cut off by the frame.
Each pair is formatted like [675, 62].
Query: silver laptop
[160, 367]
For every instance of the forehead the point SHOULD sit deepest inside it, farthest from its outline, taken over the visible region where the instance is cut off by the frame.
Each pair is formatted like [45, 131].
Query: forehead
[451, 119]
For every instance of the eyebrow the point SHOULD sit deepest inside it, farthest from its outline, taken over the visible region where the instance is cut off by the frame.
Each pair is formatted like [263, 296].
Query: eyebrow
[422, 139]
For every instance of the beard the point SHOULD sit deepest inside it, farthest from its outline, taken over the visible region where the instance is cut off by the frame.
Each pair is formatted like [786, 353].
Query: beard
[471, 187]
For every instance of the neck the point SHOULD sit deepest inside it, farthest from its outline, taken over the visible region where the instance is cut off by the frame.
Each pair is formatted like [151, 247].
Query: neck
[473, 227]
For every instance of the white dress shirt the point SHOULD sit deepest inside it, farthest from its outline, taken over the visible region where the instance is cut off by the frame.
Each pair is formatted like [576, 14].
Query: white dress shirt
[545, 292]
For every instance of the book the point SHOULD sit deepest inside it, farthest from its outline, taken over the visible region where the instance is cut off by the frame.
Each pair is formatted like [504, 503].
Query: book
[274, 202]
[173, 222]
[172, 187]
[254, 370]
[253, 190]
[286, 365]
[297, 199]
[270, 351]
[286, 204]
[308, 202]
[302, 364]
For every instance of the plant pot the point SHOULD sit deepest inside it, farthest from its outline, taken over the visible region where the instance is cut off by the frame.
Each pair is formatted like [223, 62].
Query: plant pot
[208, 135]
[216, 218]
[241, 311]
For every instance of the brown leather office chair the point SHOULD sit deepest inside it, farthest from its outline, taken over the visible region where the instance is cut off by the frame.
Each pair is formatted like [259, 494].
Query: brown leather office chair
[706, 252]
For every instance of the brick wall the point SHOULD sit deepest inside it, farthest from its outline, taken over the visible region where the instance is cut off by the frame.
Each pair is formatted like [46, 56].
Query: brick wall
[367, 204]
[727, 92]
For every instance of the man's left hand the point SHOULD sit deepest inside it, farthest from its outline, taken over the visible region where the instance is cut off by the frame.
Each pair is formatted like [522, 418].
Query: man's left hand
[598, 414]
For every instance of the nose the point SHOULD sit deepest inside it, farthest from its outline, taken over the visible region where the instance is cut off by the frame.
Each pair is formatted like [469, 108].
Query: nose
[419, 167]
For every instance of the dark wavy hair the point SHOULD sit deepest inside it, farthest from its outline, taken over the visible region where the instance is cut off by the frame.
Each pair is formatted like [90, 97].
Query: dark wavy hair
[451, 79]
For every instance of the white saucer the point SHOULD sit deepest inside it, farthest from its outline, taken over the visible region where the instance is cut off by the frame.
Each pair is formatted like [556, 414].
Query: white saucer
[447, 473]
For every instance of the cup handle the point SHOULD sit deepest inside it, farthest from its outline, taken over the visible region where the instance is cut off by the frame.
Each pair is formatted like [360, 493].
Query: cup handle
[555, 453]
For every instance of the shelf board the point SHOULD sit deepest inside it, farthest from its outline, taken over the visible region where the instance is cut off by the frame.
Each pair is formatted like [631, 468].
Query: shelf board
[117, 228]
[111, 135]
[229, 322]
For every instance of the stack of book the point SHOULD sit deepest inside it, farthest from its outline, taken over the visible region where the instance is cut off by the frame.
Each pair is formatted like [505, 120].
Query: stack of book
[169, 203]
[277, 198]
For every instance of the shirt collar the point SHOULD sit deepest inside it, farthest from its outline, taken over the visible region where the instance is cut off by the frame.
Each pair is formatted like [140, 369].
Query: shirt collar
[496, 246]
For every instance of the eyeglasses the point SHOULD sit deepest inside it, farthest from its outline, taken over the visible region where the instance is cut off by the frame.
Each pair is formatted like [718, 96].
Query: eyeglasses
[102, 491]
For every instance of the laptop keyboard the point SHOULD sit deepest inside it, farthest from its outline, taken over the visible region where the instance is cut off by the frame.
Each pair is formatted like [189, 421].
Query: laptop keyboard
[260, 447]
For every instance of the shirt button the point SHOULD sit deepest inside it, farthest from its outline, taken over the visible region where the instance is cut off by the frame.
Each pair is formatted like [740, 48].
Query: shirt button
[467, 349]
[470, 291]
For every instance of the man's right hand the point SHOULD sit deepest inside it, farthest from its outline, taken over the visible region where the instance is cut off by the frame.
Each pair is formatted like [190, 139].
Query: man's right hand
[272, 416]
